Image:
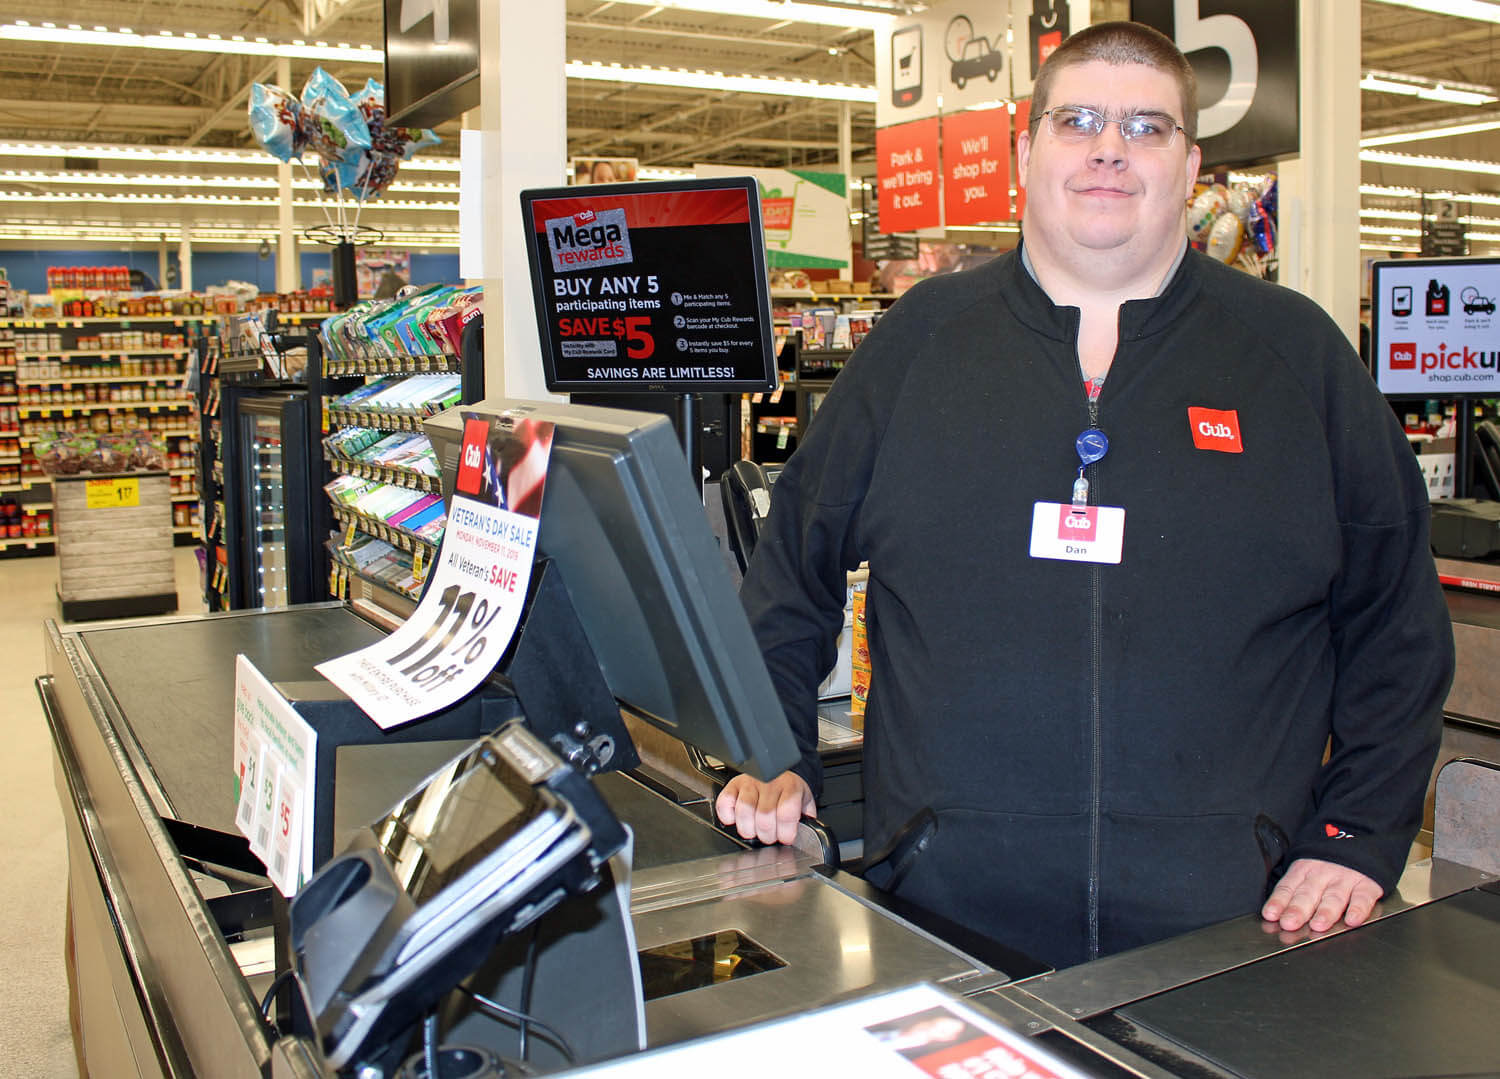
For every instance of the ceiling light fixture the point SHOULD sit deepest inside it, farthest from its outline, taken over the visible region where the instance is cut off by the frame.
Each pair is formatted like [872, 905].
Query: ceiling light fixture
[1425, 161]
[47, 34]
[152, 155]
[705, 80]
[1462, 9]
[1415, 194]
[845, 15]
[1456, 93]
[1440, 130]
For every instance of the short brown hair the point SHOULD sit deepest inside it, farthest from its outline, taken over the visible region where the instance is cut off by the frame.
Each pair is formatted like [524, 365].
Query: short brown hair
[1120, 43]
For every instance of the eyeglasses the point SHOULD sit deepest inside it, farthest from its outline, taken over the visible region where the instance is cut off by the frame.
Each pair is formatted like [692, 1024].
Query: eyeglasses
[1151, 130]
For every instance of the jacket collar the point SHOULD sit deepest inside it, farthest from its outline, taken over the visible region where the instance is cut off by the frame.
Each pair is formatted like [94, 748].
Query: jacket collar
[1138, 318]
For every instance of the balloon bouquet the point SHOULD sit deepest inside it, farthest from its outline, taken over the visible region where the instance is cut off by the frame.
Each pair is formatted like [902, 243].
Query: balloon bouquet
[1236, 225]
[359, 154]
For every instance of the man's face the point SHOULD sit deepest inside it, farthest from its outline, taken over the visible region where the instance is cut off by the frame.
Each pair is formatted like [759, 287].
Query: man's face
[1102, 195]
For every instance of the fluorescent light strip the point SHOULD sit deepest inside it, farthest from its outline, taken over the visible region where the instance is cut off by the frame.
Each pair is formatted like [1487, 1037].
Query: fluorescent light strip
[154, 155]
[1388, 247]
[89, 198]
[717, 80]
[1416, 215]
[121, 179]
[1424, 161]
[1442, 131]
[692, 80]
[235, 45]
[229, 236]
[780, 12]
[1401, 230]
[1415, 195]
[1427, 93]
[1461, 9]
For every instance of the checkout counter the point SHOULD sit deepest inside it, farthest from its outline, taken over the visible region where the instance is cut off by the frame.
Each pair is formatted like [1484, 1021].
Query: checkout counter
[175, 937]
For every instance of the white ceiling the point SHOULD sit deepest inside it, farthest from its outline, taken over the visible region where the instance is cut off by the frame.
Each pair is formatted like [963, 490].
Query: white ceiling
[89, 94]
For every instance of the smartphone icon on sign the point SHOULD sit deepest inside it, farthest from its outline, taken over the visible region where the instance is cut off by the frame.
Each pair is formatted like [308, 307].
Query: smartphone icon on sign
[1401, 300]
[906, 66]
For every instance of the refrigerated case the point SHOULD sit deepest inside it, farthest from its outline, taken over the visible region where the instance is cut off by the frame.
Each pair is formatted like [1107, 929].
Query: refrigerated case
[270, 480]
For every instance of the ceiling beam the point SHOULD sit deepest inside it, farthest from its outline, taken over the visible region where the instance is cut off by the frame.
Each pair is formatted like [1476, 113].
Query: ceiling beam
[236, 101]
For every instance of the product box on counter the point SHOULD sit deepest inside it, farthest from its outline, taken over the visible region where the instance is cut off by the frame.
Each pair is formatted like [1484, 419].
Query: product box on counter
[428, 322]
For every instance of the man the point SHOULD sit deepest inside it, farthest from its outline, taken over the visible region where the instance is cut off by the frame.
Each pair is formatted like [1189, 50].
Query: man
[1121, 739]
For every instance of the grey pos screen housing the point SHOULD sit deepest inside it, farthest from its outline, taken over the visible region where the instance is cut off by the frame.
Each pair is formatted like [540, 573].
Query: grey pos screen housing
[622, 522]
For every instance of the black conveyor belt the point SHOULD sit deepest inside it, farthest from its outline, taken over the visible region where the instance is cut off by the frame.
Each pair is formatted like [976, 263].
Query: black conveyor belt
[1413, 995]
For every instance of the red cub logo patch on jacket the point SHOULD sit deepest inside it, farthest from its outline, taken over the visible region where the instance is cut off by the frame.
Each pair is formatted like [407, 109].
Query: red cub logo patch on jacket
[1215, 430]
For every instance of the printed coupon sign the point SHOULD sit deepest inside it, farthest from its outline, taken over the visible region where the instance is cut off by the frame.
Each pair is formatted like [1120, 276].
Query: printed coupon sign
[651, 286]
[274, 755]
[1434, 328]
[478, 581]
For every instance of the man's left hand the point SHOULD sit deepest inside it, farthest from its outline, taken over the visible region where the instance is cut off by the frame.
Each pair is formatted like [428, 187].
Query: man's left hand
[1317, 894]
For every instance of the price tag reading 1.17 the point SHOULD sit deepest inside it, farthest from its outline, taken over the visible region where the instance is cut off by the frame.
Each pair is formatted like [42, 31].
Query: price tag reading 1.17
[634, 330]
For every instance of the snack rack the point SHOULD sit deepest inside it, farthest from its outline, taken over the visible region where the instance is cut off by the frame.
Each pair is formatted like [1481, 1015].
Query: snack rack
[386, 368]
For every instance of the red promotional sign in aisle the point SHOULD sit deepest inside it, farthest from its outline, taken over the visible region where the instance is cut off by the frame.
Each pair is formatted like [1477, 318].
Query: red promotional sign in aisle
[976, 167]
[1023, 117]
[907, 171]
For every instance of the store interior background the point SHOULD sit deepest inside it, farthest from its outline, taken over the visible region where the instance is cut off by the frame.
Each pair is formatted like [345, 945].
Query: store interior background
[82, 183]
[76, 207]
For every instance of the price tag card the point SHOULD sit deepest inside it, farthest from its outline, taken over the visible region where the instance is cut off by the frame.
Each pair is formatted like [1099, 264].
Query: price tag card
[105, 494]
[277, 749]
[479, 581]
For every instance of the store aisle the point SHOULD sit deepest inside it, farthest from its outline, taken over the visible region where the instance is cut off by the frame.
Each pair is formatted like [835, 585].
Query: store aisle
[34, 1036]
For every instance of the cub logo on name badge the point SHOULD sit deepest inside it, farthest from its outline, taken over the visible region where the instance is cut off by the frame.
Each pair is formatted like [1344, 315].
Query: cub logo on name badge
[1078, 525]
[1215, 430]
[1403, 356]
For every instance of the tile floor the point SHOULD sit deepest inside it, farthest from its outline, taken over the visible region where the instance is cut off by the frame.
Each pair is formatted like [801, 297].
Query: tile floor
[35, 1039]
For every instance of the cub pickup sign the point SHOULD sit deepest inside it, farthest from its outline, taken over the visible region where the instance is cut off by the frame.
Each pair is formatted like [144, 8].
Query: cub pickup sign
[479, 580]
[650, 286]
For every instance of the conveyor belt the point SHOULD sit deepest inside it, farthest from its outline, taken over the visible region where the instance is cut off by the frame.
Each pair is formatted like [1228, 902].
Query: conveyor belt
[1412, 995]
[184, 722]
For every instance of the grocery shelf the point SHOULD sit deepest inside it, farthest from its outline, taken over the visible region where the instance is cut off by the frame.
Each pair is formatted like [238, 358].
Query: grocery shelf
[392, 474]
[382, 531]
[185, 496]
[30, 543]
[90, 320]
[380, 421]
[109, 406]
[96, 378]
[100, 353]
[25, 485]
[393, 365]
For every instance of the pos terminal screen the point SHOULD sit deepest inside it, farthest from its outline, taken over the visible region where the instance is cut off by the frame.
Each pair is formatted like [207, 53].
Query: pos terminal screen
[471, 807]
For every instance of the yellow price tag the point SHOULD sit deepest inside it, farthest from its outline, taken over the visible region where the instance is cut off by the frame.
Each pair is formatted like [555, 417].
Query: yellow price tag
[417, 569]
[107, 494]
[349, 535]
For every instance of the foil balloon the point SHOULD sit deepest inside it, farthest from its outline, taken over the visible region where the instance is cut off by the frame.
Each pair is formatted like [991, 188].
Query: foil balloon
[1205, 209]
[275, 121]
[1225, 237]
[1262, 236]
[333, 125]
[419, 141]
[1239, 202]
[374, 173]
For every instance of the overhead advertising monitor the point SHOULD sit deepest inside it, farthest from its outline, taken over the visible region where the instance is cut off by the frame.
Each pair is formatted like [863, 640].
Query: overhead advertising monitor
[1434, 331]
[651, 287]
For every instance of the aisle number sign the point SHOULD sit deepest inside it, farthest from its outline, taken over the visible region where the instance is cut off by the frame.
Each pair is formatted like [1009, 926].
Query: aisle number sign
[113, 493]
[479, 581]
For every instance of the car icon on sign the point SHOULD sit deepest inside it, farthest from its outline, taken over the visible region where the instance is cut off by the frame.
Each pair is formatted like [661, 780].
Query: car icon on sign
[1475, 304]
[978, 59]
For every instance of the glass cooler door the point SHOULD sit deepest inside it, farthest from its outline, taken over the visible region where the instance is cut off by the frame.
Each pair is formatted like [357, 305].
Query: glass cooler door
[266, 520]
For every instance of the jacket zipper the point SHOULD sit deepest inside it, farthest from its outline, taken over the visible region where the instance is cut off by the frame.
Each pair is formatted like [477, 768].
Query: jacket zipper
[1095, 779]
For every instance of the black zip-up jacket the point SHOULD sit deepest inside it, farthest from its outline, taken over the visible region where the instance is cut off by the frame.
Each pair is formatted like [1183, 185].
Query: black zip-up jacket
[1102, 744]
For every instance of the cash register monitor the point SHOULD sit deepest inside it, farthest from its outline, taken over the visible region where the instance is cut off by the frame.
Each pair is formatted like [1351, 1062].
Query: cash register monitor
[623, 522]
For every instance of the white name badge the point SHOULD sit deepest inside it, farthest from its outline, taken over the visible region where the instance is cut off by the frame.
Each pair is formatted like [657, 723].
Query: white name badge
[1091, 534]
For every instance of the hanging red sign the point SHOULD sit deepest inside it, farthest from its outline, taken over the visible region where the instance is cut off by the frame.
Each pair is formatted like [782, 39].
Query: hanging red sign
[976, 167]
[907, 172]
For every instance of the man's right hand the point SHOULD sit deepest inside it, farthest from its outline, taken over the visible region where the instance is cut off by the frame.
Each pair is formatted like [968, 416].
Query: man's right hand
[768, 812]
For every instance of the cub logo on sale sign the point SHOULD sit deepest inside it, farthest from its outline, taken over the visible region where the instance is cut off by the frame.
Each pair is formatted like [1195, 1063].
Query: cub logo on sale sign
[479, 581]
